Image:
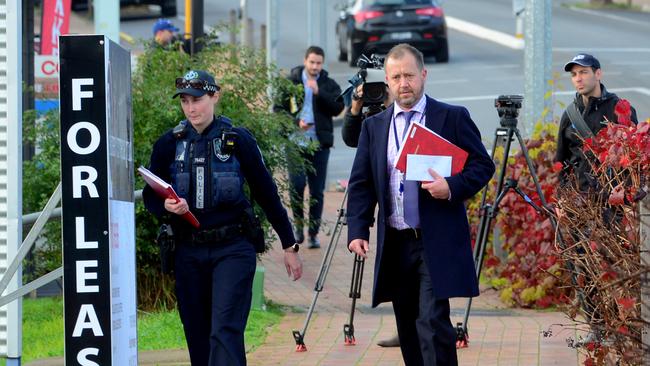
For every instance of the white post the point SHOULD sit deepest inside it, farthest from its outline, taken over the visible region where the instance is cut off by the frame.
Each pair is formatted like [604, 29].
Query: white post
[11, 112]
[107, 18]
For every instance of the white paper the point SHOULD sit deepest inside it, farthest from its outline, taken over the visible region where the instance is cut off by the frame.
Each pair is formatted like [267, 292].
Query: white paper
[417, 166]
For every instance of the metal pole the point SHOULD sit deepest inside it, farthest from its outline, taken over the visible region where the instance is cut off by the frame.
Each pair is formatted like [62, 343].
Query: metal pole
[537, 64]
[310, 22]
[645, 278]
[11, 177]
[106, 15]
[197, 25]
[243, 6]
[323, 24]
[272, 22]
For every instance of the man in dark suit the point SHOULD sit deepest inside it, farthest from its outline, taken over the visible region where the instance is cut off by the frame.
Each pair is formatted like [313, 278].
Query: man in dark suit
[424, 255]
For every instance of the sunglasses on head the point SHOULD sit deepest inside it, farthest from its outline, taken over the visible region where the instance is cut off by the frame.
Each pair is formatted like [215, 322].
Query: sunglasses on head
[182, 83]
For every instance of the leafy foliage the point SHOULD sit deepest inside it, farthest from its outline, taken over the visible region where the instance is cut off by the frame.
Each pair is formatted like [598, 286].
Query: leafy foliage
[244, 79]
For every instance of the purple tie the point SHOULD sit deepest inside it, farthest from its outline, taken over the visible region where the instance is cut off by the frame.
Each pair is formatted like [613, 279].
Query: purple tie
[411, 213]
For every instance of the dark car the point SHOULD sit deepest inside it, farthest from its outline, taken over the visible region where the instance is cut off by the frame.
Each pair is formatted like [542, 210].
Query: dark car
[167, 7]
[374, 26]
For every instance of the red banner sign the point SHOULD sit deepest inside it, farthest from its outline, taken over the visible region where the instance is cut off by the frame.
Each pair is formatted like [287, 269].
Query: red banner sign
[55, 22]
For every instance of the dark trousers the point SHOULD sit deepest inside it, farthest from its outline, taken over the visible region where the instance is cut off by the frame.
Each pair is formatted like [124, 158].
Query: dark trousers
[214, 289]
[316, 179]
[426, 334]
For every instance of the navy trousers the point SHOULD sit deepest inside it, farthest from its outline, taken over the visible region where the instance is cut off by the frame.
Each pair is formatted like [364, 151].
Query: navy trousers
[316, 179]
[426, 334]
[214, 290]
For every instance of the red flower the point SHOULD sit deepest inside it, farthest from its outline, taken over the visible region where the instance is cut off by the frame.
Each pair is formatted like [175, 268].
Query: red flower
[557, 167]
[623, 330]
[617, 197]
[623, 112]
[589, 362]
[593, 245]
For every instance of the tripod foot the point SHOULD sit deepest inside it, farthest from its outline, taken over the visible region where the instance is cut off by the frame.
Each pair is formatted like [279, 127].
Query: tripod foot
[462, 338]
[300, 342]
[348, 332]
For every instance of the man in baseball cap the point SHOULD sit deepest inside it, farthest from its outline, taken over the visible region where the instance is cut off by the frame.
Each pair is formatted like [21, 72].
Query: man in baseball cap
[164, 32]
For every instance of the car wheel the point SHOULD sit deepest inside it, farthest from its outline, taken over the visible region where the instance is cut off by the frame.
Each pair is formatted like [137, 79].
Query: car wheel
[442, 54]
[168, 8]
[354, 52]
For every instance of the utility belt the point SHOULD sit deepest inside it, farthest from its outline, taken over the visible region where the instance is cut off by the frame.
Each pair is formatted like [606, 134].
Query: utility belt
[214, 236]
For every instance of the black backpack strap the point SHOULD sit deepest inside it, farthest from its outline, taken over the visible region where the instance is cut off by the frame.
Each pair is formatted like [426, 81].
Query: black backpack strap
[578, 122]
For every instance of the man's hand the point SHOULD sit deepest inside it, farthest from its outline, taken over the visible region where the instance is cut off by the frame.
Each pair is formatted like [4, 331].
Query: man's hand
[178, 208]
[438, 187]
[303, 125]
[357, 103]
[293, 264]
[313, 85]
[360, 247]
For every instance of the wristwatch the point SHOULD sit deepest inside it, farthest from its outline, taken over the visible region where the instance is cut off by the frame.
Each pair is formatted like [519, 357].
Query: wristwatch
[295, 247]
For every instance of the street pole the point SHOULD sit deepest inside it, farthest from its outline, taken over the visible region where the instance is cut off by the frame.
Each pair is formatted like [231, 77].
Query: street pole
[197, 25]
[323, 27]
[537, 64]
[106, 14]
[310, 23]
[244, 23]
[11, 121]
[271, 31]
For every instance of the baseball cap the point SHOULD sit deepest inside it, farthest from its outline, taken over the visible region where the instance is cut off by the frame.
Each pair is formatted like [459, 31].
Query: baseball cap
[163, 24]
[196, 83]
[582, 59]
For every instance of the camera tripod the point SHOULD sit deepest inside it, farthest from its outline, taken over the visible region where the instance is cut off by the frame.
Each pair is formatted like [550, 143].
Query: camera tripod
[507, 108]
[355, 283]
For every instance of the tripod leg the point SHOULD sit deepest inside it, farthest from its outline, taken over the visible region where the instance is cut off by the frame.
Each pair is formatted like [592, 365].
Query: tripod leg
[355, 293]
[462, 334]
[298, 336]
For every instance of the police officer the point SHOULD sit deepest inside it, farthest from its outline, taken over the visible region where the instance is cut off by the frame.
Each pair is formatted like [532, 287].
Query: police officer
[207, 160]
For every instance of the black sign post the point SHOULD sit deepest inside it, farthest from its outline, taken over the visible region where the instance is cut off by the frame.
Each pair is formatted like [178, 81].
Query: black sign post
[97, 202]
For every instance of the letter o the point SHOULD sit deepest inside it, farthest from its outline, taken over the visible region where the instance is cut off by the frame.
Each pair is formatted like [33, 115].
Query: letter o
[94, 138]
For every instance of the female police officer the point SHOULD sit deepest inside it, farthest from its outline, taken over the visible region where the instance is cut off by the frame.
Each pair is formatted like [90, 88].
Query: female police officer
[214, 265]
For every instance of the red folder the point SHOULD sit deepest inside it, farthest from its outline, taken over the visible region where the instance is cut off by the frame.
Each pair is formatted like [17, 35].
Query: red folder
[420, 140]
[165, 190]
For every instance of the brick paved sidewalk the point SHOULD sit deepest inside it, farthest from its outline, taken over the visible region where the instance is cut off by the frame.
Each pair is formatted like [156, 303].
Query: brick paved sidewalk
[498, 336]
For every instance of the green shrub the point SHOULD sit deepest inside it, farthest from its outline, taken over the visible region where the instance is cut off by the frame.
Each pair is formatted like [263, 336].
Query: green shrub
[244, 79]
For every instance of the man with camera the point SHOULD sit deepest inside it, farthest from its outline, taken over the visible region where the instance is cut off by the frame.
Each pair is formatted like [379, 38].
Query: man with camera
[314, 118]
[374, 95]
[424, 256]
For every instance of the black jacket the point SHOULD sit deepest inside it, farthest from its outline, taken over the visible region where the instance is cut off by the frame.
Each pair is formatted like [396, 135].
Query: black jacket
[351, 128]
[325, 105]
[569, 144]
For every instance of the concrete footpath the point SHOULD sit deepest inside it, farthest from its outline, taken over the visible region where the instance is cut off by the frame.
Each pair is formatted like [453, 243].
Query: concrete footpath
[498, 335]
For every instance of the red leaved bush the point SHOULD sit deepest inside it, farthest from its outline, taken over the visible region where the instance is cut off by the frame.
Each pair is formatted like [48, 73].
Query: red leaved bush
[601, 236]
[527, 277]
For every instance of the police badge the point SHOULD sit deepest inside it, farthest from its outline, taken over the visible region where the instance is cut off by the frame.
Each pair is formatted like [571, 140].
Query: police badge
[216, 143]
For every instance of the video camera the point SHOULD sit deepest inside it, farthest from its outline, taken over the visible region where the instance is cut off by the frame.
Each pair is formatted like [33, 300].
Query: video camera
[508, 109]
[371, 75]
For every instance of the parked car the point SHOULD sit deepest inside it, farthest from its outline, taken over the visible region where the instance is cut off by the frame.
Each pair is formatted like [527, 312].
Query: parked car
[374, 26]
[167, 7]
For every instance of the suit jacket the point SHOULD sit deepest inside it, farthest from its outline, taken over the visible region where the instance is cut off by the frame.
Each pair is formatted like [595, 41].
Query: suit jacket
[445, 230]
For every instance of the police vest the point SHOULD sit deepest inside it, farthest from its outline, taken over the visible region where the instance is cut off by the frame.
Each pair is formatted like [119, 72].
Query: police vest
[201, 173]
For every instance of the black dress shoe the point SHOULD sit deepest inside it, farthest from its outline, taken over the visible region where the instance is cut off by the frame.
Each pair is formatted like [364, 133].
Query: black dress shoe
[314, 243]
[389, 342]
[299, 235]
